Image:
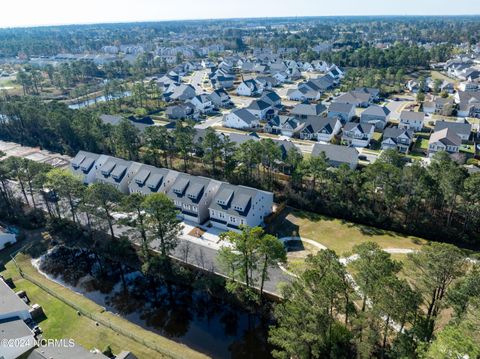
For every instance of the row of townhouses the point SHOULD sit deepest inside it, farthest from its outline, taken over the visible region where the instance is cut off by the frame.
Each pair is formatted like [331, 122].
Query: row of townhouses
[199, 199]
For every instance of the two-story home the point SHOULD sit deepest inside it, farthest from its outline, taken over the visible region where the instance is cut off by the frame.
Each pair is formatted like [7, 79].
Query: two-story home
[305, 110]
[221, 99]
[357, 98]
[344, 111]
[202, 103]
[444, 140]
[375, 115]
[412, 120]
[182, 111]
[249, 88]
[357, 134]
[116, 172]
[181, 92]
[151, 179]
[83, 166]
[303, 93]
[272, 98]
[320, 129]
[284, 125]
[241, 119]
[440, 105]
[463, 128]
[192, 196]
[261, 109]
[398, 138]
[337, 155]
[234, 206]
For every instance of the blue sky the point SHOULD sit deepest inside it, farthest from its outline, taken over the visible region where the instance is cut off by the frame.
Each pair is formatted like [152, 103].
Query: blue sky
[47, 12]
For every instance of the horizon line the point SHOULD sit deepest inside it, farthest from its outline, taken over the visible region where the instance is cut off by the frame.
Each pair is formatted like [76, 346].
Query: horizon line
[121, 22]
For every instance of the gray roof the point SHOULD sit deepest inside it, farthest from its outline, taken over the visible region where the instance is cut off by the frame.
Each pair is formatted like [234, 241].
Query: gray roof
[460, 128]
[64, 352]
[412, 116]
[9, 301]
[113, 170]
[447, 137]
[335, 153]
[13, 328]
[341, 107]
[83, 162]
[245, 115]
[258, 105]
[235, 200]
[375, 110]
[395, 132]
[315, 124]
[240, 138]
[150, 179]
[305, 109]
[362, 127]
[188, 189]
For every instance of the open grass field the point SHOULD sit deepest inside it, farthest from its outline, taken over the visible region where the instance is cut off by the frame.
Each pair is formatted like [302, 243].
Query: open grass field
[338, 234]
[62, 321]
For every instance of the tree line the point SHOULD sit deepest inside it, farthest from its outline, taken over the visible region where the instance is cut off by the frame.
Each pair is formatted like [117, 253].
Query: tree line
[439, 201]
[325, 311]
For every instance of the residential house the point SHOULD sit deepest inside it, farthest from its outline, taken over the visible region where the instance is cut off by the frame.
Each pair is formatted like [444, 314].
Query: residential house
[440, 105]
[320, 65]
[305, 109]
[249, 88]
[320, 129]
[83, 166]
[267, 82]
[468, 104]
[192, 196]
[462, 128]
[344, 111]
[272, 98]
[324, 83]
[398, 138]
[360, 97]
[357, 134]
[284, 125]
[336, 73]
[182, 111]
[337, 155]
[234, 206]
[375, 115]
[412, 120]
[261, 109]
[221, 99]
[303, 93]
[180, 92]
[444, 140]
[116, 172]
[223, 82]
[17, 339]
[203, 103]
[241, 119]
[11, 305]
[149, 179]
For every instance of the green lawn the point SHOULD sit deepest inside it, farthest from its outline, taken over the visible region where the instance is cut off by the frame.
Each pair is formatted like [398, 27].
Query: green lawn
[62, 321]
[337, 234]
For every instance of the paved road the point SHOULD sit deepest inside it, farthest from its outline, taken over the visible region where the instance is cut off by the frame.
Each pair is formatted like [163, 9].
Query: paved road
[187, 251]
[211, 122]
[196, 80]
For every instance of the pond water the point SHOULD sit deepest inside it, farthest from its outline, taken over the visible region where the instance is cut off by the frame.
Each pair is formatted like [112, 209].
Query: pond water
[205, 323]
[93, 101]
